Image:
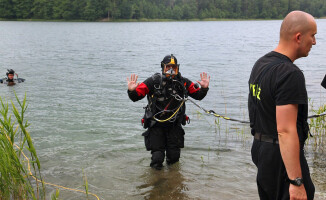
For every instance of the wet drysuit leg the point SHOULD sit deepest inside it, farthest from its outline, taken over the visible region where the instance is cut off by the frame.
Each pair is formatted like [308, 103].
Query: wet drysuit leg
[175, 141]
[157, 140]
[161, 138]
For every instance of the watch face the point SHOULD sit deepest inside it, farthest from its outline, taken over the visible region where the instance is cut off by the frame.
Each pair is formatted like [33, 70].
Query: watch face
[298, 181]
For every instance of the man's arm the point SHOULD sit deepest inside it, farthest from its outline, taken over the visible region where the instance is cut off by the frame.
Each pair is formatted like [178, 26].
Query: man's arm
[197, 93]
[286, 119]
[136, 91]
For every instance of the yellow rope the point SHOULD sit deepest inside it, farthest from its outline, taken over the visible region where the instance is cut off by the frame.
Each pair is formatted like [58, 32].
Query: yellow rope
[217, 115]
[36, 179]
[171, 115]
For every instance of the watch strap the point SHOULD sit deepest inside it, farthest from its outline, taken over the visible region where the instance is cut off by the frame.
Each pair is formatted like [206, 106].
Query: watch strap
[298, 181]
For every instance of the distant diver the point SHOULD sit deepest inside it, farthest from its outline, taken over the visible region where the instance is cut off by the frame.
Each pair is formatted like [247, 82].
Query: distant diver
[11, 80]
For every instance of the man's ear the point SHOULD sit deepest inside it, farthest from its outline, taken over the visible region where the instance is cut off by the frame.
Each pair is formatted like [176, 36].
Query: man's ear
[298, 37]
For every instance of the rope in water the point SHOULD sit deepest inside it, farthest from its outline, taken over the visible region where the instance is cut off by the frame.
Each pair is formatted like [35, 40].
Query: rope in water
[212, 112]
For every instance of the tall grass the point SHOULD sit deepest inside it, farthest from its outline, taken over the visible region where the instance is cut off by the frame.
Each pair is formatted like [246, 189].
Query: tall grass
[55, 196]
[318, 129]
[15, 176]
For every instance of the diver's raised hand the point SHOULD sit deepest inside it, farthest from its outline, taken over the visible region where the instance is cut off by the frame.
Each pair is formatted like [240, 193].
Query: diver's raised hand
[204, 82]
[132, 82]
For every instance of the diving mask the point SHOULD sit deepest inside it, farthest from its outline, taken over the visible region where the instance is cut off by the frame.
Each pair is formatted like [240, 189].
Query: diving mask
[171, 70]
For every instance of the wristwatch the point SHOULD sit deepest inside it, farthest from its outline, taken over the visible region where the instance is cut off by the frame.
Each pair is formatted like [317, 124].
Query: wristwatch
[298, 181]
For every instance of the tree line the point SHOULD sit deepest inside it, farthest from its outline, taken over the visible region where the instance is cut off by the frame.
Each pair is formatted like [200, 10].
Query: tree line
[93, 10]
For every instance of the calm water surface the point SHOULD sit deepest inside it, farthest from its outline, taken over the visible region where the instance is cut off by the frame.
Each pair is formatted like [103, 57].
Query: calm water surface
[81, 117]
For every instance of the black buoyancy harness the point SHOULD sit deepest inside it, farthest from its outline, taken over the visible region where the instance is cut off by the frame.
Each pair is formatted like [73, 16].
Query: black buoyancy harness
[167, 93]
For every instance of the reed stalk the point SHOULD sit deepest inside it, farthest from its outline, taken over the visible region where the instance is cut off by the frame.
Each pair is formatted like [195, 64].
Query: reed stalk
[14, 174]
[318, 128]
[85, 184]
[55, 196]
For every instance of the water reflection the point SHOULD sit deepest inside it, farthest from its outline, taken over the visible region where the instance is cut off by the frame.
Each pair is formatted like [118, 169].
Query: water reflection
[11, 84]
[168, 183]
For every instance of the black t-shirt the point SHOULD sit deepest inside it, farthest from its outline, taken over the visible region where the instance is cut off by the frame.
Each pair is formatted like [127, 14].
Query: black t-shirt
[275, 80]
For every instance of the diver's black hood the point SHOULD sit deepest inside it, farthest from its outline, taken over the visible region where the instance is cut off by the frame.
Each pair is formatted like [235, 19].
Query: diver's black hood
[10, 71]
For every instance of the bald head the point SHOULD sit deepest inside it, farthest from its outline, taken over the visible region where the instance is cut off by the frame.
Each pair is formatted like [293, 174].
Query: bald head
[296, 22]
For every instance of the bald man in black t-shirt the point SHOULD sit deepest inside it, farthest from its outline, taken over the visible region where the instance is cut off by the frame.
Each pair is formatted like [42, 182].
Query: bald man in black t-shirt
[278, 111]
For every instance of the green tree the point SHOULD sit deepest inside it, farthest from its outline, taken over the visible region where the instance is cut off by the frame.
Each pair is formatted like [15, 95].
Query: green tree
[89, 12]
[190, 10]
[177, 12]
[78, 8]
[23, 8]
[283, 9]
[113, 9]
[67, 10]
[42, 9]
[7, 9]
[294, 5]
[265, 8]
[126, 9]
[166, 9]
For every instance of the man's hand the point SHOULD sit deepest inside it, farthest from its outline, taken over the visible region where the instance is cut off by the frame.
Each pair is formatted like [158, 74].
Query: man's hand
[132, 83]
[204, 82]
[297, 192]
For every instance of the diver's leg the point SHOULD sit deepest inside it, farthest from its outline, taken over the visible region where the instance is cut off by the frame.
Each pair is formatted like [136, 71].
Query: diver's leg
[157, 140]
[175, 141]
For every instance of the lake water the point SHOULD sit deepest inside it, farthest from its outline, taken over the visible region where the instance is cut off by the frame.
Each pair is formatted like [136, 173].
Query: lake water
[82, 119]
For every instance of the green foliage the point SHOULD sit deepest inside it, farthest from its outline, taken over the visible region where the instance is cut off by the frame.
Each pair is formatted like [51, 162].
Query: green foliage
[93, 10]
[14, 182]
[7, 9]
[85, 183]
[55, 196]
[318, 128]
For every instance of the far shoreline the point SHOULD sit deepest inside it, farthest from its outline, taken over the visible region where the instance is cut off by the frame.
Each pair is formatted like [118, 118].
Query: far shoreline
[146, 20]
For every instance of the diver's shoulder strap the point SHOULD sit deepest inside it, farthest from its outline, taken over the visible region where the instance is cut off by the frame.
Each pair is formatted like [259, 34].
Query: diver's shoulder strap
[157, 84]
[157, 79]
[184, 87]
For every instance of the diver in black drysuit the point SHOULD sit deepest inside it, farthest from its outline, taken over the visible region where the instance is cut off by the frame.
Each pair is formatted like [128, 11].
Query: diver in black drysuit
[165, 112]
[10, 80]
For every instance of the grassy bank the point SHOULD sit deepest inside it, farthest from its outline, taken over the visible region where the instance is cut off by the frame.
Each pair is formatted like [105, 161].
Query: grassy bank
[20, 175]
[15, 175]
[318, 128]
